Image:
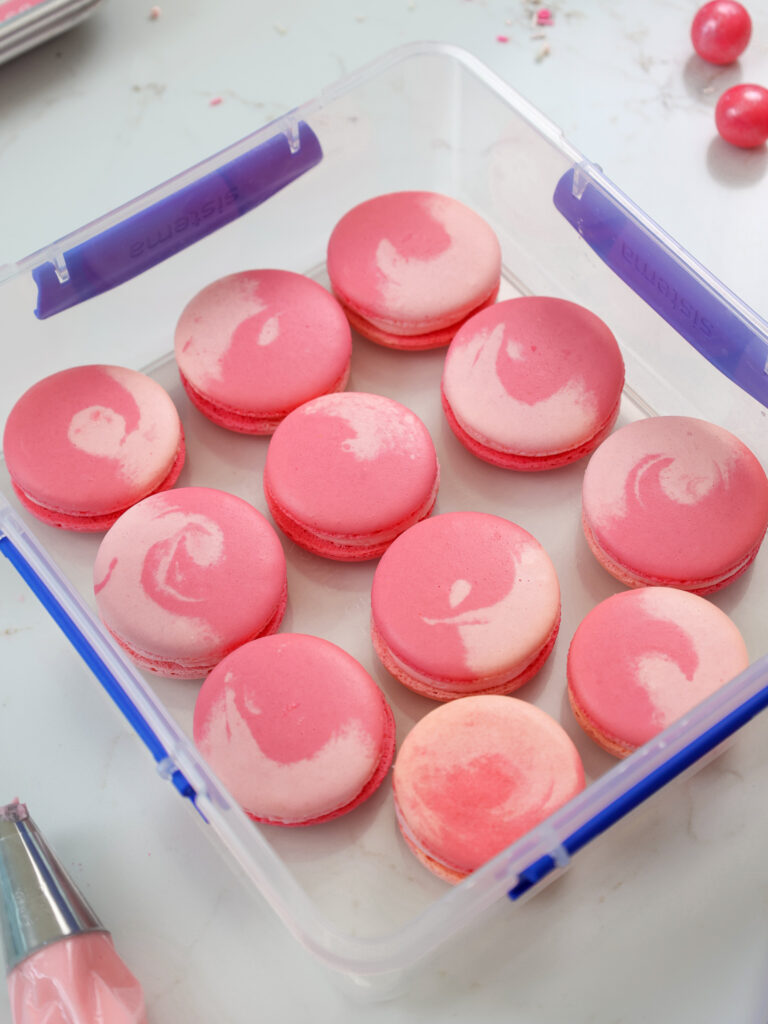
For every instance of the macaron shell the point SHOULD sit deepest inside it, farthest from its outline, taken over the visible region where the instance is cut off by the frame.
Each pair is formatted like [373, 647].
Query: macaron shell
[475, 775]
[464, 602]
[254, 345]
[532, 378]
[186, 576]
[675, 501]
[84, 444]
[346, 473]
[296, 729]
[413, 262]
[643, 658]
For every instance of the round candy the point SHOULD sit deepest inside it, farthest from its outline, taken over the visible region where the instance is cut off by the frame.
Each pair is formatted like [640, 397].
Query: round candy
[85, 444]
[475, 775]
[410, 267]
[186, 576]
[532, 383]
[295, 728]
[675, 501]
[741, 116]
[345, 474]
[252, 346]
[464, 603]
[720, 31]
[643, 658]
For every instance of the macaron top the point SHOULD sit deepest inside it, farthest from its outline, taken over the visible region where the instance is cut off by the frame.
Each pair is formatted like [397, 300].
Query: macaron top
[676, 499]
[642, 658]
[411, 262]
[263, 341]
[351, 464]
[533, 375]
[188, 574]
[463, 596]
[475, 775]
[294, 726]
[91, 440]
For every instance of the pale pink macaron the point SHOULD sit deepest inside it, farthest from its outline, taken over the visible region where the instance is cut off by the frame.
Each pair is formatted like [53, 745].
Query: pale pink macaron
[295, 728]
[86, 443]
[253, 346]
[475, 775]
[674, 501]
[410, 267]
[643, 658]
[345, 474]
[532, 383]
[186, 576]
[464, 603]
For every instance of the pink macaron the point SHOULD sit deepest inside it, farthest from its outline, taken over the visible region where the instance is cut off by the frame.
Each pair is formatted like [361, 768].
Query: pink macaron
[464, 603]
[674, 501]
[186, 576]
[253, 346]
[295, 728]
[345, 474]
[643, 658]
[86, 443]
[532, 383]
[475, 775]
[410, 267]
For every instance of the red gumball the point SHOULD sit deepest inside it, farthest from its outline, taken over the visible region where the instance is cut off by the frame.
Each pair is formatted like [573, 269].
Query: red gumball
[741, 116]
[720, 31]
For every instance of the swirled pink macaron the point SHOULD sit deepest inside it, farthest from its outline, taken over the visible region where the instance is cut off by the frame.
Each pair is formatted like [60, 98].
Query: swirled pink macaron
[532, 383]
[643, 658]
[464, 603]
[254, 345]
[675, 501]
[410, 267]
[186, 576]
[475, 775]
[295, 728]
[86, 443]
[345, 474]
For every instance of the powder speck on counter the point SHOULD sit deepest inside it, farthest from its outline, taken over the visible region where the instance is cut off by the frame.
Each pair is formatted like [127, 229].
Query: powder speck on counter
[154, 14]
[502, 39]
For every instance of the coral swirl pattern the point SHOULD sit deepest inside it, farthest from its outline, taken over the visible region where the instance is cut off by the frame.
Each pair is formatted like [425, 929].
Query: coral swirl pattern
[86, 443]
[186, 576]
[643, 658]
[475, 775]
[252, 346]
[296, 729]
[532, 383]
[346, 473]
[463, 603]
[675, 501]
[409, 267]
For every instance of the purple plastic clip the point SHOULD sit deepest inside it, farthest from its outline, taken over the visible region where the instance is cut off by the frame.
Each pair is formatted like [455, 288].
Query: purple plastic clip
[171, 224]
[714, 326]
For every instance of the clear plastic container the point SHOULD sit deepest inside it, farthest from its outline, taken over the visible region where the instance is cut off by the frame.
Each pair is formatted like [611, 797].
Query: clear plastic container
[427, 117]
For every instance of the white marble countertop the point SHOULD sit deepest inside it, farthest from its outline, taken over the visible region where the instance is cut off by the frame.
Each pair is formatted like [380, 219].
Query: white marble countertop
[664, 919]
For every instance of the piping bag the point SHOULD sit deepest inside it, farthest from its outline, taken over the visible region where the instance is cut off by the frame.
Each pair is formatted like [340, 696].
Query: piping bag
[62, 966]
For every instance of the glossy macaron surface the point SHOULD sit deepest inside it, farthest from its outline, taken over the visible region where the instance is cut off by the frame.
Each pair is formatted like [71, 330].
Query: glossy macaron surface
[675, 501]
[642, 658]
[85, 443]
[186, 576]
[254, 345]
[295, 728]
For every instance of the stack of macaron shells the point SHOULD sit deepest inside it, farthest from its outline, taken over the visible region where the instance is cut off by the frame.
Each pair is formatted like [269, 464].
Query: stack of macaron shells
[410, 267]
[296, 729]
[86, 443]
[254, 345]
